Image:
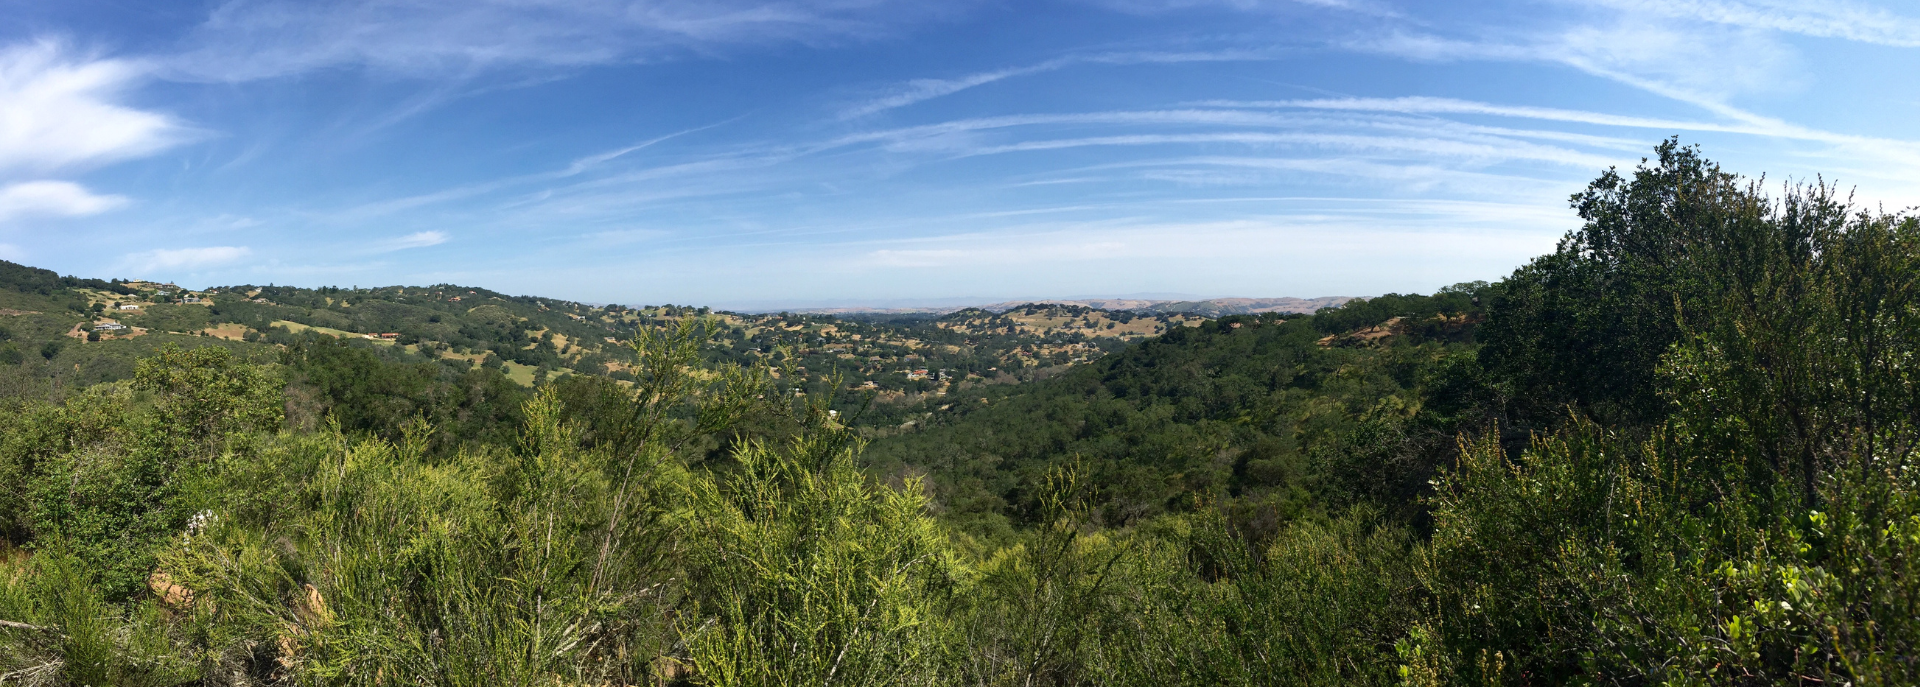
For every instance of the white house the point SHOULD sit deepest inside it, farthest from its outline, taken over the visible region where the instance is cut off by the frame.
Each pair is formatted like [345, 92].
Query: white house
[129, 306]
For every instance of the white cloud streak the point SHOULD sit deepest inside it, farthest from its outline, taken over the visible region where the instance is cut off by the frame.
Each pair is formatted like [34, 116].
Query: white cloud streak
[1689, 68]
[420, 239]
[1839, 19]
[1366, 7]
[1431, 105]
[245, 40]
[579, 166]
[921, 90]
[53, 199]
[1458, 150]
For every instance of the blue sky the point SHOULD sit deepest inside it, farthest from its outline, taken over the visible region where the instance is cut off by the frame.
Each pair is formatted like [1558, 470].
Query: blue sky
[757, 154]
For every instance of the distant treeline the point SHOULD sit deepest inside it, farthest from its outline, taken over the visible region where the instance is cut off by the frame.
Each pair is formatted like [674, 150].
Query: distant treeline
[19, 277]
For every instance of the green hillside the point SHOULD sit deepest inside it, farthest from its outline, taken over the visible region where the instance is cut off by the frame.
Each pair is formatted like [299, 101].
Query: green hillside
[1680, 450]
[445, 344]
[1276, 414]
[539, 338]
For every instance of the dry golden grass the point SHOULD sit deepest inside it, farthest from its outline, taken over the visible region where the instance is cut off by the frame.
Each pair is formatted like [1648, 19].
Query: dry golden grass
[229, 331]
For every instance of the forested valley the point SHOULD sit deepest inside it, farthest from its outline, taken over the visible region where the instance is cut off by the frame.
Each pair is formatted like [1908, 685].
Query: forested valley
[1679, 449]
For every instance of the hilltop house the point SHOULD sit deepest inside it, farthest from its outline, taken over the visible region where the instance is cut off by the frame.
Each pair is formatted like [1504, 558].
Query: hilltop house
[190, 299]
[108, 327]
[129, 306]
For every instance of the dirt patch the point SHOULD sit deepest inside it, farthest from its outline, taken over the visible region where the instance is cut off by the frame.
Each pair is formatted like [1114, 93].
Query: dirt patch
[1377, 332]
[10, 311]
[1366, 337]
[170, 593]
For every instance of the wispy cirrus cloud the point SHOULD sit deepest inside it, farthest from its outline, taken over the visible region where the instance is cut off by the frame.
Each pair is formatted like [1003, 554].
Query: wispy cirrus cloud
[1419, 176]
[1367, 7]
[1415, 154]
[578, 167]
[245, 40]
[1678, 67]
[1715, 62]
[921, 90]
[784, 187]
[1459, 150]
[1743, 122]
[1842, 19]
[1433, 105]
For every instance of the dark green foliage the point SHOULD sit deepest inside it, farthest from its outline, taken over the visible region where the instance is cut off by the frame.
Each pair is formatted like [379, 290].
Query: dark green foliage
[354, 385]
[812, 574]
[1748, 526]
[113, 485]
[1660, 251]
[1248, 407]
[1323, 603]
[17, 277]
[203, 396]
[63, 632]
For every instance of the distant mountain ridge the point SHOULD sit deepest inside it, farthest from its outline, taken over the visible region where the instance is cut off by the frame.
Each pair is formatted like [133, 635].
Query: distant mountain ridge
[1210, 307]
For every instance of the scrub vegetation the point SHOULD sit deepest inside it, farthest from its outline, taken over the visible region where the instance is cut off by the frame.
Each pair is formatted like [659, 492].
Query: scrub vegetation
[1678, 450]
